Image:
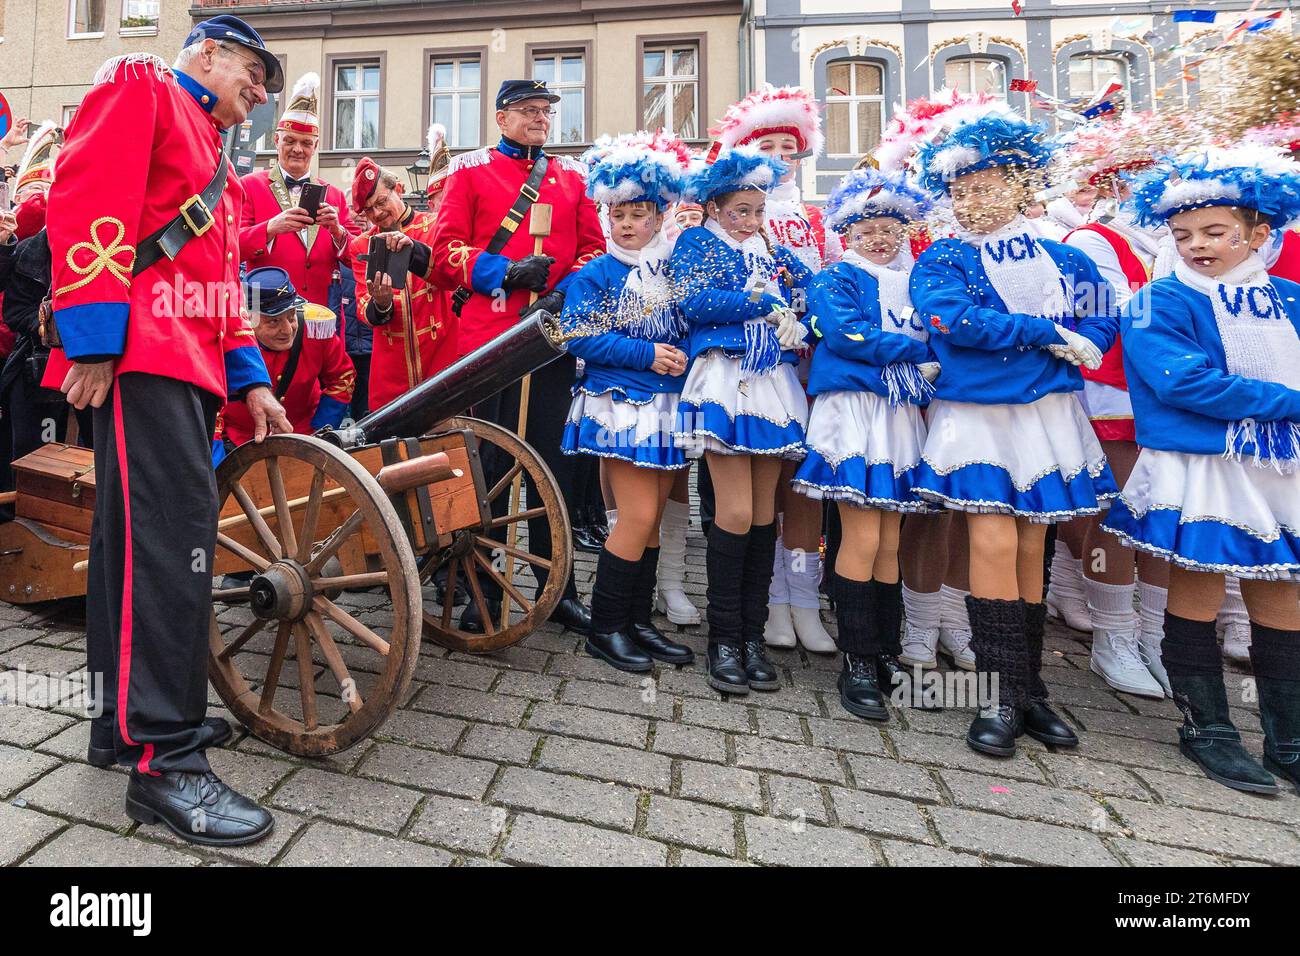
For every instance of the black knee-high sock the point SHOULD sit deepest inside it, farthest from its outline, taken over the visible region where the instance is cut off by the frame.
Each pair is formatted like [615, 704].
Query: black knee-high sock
[857, 617]
[1275, 657]
[611, 595]
[889, 614]
[998, 640]
[1035, 627]
[756, 580]
[724, 559]
[643, 598]
[1190, 653]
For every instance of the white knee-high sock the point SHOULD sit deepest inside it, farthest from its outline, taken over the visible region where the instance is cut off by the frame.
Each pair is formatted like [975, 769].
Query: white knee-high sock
[1111, 606]
[952, 613]
[922, 608]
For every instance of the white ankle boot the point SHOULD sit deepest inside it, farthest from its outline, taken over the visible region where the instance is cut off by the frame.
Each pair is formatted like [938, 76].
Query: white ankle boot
[779, 631]
[1234, 623]
[1066, 600]
[671, 599]
[1116, 658]
[803, 574]
[954, 628]
[1151, 631]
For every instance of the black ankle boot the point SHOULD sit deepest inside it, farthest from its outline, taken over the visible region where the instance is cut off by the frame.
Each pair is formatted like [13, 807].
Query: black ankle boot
[611, 604]
[642, 630]
[898, 681]
[727, 669]
[858, 622]
[1275, 658]
[1041, 722]
[860, 692]
[759, 671]
[998, 639]
[1207, 738]
[724, 556]
[755, 582]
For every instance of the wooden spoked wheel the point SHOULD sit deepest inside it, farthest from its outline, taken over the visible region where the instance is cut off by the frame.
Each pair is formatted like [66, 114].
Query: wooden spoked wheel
[320, 646]
[490, 557]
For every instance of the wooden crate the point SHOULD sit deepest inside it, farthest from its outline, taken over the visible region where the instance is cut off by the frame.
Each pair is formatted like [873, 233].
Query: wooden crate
[56, 488]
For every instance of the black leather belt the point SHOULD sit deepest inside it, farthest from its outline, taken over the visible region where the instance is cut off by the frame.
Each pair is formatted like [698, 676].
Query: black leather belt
[194, 219]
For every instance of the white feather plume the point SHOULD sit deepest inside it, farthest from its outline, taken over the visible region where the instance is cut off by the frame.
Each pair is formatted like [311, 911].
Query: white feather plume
[436, 136]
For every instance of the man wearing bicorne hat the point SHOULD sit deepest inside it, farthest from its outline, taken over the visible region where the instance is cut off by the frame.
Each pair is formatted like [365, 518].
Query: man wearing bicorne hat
[144, 239]
[275, 230]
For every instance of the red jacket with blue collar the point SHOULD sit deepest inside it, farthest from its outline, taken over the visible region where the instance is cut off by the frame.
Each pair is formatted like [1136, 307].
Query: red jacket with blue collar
[142, 143]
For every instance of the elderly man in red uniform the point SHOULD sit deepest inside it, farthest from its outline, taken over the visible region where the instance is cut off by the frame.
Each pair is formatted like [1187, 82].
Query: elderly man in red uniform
[415, 330]
[482, 246]
[275, 230]
[144, 235]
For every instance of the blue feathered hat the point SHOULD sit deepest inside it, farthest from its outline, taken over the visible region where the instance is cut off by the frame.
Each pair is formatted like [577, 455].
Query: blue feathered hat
[995, 136]
[868, 193]
[744, 167]
[1262, 178]
[635, 174]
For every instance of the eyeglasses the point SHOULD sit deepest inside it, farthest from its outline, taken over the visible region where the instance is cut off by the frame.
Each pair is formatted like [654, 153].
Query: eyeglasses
[256, 69]
[379, 199]
[531, 112]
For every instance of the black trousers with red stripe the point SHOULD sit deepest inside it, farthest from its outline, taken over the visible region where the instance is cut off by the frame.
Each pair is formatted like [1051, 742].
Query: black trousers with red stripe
[149, 593]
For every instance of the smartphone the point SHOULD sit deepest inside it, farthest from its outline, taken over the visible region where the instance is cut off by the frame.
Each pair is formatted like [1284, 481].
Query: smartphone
[395, 264]
[310, 199]
[4, 194]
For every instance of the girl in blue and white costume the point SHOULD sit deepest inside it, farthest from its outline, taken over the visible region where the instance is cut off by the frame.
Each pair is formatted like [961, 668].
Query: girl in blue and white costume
[742, 401]
[1009, 443]
[1212, 355]
[625, 402]
[870, 376]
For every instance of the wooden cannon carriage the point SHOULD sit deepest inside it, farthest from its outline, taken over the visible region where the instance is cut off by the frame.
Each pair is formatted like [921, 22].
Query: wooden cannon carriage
[376, 509]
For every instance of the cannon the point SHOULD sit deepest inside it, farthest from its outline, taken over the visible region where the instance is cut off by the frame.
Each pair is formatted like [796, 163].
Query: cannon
[406, 508]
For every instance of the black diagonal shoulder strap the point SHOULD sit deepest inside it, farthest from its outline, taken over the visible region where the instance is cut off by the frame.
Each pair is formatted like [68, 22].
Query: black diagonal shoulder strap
[291, 366]
[194, 219]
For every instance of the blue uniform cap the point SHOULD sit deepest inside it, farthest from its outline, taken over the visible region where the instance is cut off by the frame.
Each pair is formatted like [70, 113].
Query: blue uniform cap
[513, 91]
[270, 291]
[234, 30]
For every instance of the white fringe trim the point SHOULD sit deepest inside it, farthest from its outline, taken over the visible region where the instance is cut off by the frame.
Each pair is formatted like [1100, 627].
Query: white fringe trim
[133, 63]
[476, 157]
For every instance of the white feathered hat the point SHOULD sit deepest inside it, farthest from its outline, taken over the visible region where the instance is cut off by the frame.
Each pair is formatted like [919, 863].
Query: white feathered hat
[303, 112]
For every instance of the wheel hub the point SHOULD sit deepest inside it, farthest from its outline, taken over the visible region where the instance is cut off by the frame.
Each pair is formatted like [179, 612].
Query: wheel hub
[282, 592]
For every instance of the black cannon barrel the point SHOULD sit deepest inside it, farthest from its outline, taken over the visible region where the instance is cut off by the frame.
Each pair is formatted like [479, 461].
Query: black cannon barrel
[524, 348]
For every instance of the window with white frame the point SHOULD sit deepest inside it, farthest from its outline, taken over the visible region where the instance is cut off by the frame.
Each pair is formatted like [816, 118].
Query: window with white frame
[139, 16]
[85, 18]
[976, 74]
[671, 89]
[855, 107]
[566, 75]
[356, 105]
[69, 113]
[455, 91]
[1091, 74]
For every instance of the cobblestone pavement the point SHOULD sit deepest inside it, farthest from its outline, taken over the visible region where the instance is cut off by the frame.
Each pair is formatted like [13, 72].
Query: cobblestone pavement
[542, 755]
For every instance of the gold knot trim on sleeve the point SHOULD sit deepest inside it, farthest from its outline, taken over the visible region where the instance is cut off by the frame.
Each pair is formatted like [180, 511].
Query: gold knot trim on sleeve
[105, 257]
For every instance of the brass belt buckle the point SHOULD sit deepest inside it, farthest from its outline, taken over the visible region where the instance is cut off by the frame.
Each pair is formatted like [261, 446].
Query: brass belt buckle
[198, 228]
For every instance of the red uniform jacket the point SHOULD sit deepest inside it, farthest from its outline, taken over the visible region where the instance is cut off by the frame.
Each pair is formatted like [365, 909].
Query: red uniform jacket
[311, 270]
[318, 395]
[1287, 265]
[1112, 363]
[421, 337]
[142, 143]
[480, 190]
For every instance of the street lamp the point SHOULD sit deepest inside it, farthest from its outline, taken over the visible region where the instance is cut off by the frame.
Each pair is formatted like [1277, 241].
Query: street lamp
[418, 173]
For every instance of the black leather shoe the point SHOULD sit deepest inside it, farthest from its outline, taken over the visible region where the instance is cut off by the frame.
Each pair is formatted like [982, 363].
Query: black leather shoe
[994, 732]
[653, 641]
[759, 671]
[859, 689]
[619, 651]
[1044, 724]
[472, 622]
[573, 614]
[197, 807]
[893, 675]
[585, 538]
[101, 752]
[727, 669]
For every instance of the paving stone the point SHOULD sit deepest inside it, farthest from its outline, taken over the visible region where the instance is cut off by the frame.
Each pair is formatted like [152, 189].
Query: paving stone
[36, 659]
[780, 725]
[1016, 798]
[602, 803]
[81, 846]
[428, 770]
[1183, 791]
[251, 775]
[70, 744]
[471, 704]
[916, 854]
[421, 729]
[692, 858]
[796, 799]
[459, 824]
[341, 762]
[789, 843]
[326, 845]
[894, 778]
[582, 667]
[501, 744]
[645, 700]
[11, 637]
[18, 768]
[731, 716]
[455, 673]
[82, 792]
[591, 724]
[691, 824]
[366, 803]
[1020, 839]
[873, 813]
[687, 683]
[260, 853]
[1212, 832]
[695, 743]
[1132, 752]
[1126, 725]
[950, 752]
[27, 726]
[1097, 699]
[793, 759]
[23, 830]
[1152, 854]
[862, 737]
[729, 786]
[514, 658]
[553, 642]
[542, 841]
[794, 699]
[636, 768]
[530, 686]
[1080, 773]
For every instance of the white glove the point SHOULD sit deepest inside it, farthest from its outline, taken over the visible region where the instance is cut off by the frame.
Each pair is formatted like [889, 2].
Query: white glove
[1076, 349]
[790, 332]
[929, 371]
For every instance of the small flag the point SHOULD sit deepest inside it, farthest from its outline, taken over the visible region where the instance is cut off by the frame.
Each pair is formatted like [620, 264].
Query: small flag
[1015, 7]
[1263, 23]
[1023, 86]
[1194, 16]
[714, 150]
[1101, 109]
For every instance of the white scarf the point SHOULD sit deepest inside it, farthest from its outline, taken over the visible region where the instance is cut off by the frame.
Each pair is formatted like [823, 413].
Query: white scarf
[1024, 276]
[897, 317]
[646, 306]
[762, 350]
[1259, 342]
[788, 225]
[1146, 243]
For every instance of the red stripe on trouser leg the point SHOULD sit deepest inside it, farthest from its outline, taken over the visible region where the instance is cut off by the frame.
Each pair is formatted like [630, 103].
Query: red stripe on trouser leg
[124, 654]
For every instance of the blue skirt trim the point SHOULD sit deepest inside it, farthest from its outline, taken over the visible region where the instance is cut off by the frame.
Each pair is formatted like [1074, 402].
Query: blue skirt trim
[988, 489]
[590, 437]
[854, 481]
[745, 434]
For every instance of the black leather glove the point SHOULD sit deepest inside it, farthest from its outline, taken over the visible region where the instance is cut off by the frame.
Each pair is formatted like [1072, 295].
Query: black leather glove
[530, 273]
[552, 302]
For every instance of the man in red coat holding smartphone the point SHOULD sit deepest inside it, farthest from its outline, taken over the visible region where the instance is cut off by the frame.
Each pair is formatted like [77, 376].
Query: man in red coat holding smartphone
[311, 244]
[144, 239]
